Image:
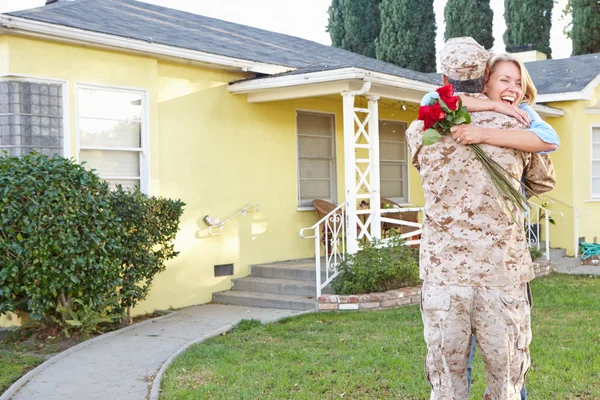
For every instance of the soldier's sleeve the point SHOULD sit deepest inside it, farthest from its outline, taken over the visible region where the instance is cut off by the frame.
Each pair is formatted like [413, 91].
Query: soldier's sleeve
[414, 138]
[539, 175]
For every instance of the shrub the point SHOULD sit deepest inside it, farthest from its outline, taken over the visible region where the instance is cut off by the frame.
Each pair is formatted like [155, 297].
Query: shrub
[59, 238]
[536, 253]
[73, 252]
[376, 268]
[151, 224]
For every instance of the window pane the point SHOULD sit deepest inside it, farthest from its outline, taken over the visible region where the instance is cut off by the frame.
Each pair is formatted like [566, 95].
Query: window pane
[314, 124]
[105, 133]
[596, 169]
[127, 184]
[391, 171]
[596, 135]
[392, 151]
[392, 189]
[112, 163]
[315, 146]
[596, 152]
[99, 103]
[310, 190]
[392, 131]
[596, 187]
[311, 169]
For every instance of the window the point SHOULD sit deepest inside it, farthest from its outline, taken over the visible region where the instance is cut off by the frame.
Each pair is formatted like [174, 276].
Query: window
[316, 158]
[393, 168]
[596, 162]
[31, 117]
[111, 134]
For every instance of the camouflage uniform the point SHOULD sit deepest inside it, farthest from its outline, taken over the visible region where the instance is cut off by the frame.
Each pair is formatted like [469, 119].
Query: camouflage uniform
[475, 260]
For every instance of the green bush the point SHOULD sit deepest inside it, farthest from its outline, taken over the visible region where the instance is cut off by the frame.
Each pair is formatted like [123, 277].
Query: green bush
[69, 246]
[536, 253]
[151, 224]
[376, 268]
[59, 238]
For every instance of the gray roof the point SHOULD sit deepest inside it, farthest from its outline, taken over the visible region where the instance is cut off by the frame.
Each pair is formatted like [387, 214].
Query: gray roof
[143, 21]
[564, 75]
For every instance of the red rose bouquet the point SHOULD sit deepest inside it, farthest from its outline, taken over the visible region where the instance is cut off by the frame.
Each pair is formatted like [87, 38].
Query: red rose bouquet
[446, 111]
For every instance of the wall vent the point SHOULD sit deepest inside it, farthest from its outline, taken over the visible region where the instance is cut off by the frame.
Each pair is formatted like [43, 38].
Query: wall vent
[224, 270]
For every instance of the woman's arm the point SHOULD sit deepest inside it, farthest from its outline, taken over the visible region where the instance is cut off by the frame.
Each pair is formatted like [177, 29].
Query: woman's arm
[518, 139]
[541, 128]
[473, 105]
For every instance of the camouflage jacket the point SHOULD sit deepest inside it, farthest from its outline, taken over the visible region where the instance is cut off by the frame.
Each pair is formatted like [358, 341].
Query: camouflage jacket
[469, 237]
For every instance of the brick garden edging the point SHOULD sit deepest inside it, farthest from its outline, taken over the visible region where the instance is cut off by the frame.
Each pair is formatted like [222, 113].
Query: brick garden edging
[393, 298]
[372, 301]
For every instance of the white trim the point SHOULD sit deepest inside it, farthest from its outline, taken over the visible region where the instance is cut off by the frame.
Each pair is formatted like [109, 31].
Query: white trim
[333, 178]
[28, 27]
[592, 159]
[592, 200]
[66, 114]
[350, 73]
[144, 150]
[548, 111]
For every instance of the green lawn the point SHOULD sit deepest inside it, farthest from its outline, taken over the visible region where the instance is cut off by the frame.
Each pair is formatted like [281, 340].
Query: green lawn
[377, 355]
[15, 362]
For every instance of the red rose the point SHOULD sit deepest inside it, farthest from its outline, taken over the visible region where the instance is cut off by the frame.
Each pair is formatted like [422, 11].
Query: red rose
[425, 116]
[431, 114]
[445, 92]
[452, 102]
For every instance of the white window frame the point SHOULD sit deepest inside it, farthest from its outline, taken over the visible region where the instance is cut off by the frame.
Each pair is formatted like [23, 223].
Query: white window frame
[594, 196]
[66, 150]
[144, 149]
[400, 201]
[333, 167]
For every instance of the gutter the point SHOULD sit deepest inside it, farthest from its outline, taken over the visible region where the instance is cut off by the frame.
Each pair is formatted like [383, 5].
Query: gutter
[44, 30]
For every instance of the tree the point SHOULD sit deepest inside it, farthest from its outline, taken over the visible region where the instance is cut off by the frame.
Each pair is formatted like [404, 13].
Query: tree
[470, 18]
[407, 36]
[354, 25]
[528, 22]
[585, 32]
[335, 27]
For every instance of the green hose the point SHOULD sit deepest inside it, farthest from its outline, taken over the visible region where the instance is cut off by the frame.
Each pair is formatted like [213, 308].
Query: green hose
[589, 250]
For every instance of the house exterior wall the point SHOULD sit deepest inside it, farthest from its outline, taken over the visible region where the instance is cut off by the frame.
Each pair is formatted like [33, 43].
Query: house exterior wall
[209, 148]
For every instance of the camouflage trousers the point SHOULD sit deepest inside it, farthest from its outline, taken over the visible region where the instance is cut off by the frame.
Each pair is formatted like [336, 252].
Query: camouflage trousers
[499, 317]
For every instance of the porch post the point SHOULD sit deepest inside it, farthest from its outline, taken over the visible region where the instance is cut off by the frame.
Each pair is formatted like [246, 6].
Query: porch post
[375, 201]
[350, 174]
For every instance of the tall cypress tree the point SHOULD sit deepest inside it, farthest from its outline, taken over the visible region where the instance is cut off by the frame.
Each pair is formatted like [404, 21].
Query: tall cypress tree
[470, 18]
[528, 22]
[354, 25]
[407, 36]
[585, 32]
[335, 26]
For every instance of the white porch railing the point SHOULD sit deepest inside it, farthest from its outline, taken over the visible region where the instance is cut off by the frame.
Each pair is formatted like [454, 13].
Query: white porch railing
[532, 226]
[329, 232]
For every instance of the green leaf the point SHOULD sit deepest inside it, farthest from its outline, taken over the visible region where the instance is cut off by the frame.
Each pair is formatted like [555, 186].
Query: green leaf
[19, 236]
[444, 106]
[431, 136]
[460, 120]
[73, 322]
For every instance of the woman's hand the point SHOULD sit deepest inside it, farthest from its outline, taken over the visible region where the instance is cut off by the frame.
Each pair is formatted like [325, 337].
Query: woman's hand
[468, 134]
[512, 111]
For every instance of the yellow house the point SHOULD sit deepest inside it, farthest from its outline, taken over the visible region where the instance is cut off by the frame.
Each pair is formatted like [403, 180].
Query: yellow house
[248, 127]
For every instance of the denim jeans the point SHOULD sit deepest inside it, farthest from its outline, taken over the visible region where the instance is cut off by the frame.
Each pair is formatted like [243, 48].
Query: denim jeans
[470, 368]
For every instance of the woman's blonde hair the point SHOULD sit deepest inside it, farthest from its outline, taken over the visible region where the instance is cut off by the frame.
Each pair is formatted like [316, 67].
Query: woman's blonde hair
[527, 86]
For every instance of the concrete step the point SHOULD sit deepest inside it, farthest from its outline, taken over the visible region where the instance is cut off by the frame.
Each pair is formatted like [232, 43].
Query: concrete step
[298, 270]
[566, 264]
[555, 253]
[266, 300]
[277, 286]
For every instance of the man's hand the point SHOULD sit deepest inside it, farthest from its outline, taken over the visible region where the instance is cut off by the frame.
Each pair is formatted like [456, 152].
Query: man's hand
[512, 111]
[468, 134]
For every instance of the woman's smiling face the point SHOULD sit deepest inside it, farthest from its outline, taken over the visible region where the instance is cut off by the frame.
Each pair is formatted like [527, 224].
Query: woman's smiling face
[504, 83]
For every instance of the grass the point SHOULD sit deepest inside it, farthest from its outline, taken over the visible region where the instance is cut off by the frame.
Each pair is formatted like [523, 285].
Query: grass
[377, 355]
[15, 361]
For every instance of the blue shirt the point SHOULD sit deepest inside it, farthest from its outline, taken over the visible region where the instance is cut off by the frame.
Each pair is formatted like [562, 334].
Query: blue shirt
[538, 126]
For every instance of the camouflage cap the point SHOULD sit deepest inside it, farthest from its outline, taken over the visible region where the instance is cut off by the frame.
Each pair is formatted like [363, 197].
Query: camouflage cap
[463, 58]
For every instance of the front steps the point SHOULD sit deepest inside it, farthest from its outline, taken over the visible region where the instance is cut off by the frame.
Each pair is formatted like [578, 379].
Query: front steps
[562, 263]
[285, 284]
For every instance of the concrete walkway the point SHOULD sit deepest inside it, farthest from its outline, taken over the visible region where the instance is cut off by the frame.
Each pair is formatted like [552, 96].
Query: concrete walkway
[121, 365]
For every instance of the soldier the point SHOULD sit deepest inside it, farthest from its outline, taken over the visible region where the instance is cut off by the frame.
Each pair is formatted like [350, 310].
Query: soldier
[474, 259]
